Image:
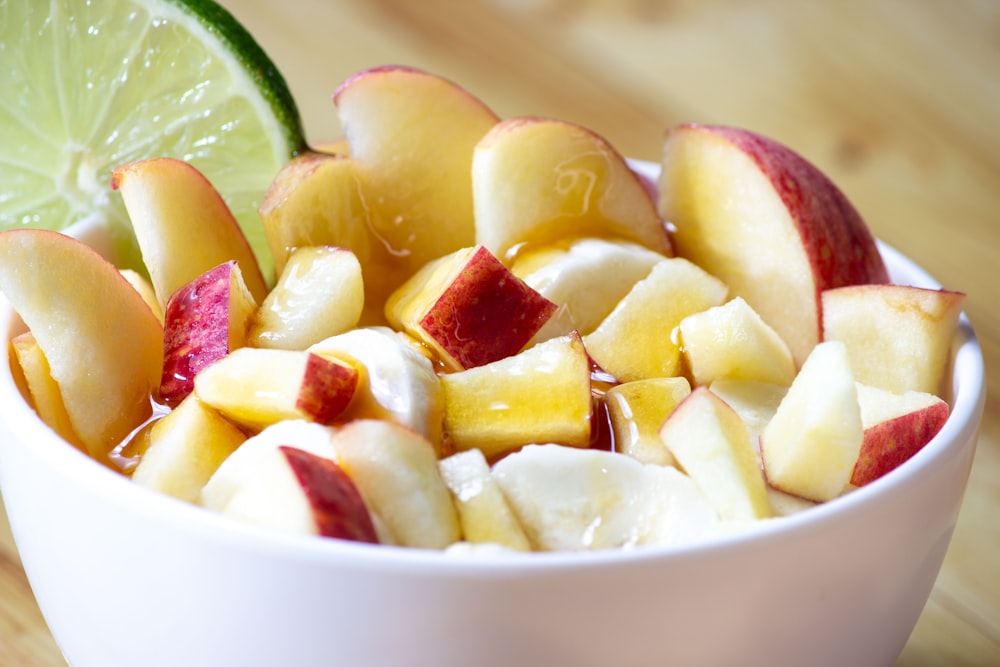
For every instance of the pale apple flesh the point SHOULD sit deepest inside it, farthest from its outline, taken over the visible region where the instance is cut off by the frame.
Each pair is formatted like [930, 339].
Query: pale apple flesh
[727, 189]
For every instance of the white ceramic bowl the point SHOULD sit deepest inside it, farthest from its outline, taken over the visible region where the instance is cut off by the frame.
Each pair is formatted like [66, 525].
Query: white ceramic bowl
[126, 577]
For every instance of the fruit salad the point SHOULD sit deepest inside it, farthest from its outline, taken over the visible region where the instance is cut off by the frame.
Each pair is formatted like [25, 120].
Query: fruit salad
[487, 332]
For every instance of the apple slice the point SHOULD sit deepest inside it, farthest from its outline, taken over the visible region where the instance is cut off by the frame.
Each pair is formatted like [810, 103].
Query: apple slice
[185, 448]
[315, 200]
[42, 390]
[637, 410]
[540, 395]
[182, 225]
[712, 445]
[483, 510]
[635, 340]
[396, 382]
[585, 278]
[588, 499]
[203, 321]
[285, 478]
[411, 136]
[536, 181]
[732, 341]
[396, 471]
[257, 387]
[766, 222]
[811, 445]
[897, 337]
[103, 344]
[469, 309]
[145, 290]
[320, 293]
[896, 426]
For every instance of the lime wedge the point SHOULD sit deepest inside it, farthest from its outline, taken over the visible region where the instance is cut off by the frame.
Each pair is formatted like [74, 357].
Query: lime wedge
[91, 85]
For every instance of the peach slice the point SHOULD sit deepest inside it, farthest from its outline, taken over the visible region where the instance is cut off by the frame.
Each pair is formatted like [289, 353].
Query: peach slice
[411, 136]
[320, 293]
[469, 309]
[204, 320]
[712, 445]
[811, 445]
[537, 180]
[182, 225]
[766, 222]
[898, 337]
[635, 341]
[103, 344]
[540, 395]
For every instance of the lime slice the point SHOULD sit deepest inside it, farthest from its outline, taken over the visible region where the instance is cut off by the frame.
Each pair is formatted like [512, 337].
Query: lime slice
[91, 85]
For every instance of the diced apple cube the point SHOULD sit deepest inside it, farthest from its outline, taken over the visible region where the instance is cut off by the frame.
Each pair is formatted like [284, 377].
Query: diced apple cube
[637, 410]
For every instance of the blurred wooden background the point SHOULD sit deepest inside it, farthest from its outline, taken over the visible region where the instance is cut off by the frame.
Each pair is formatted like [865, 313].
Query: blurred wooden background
[897, 100]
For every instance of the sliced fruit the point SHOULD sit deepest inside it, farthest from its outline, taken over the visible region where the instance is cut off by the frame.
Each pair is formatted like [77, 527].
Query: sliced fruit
[256, 387]
[637, 410]
[483, 510]
[103, 344]
[469, 309]
[811, 445]
[635, 341]
[185, 448]
[182, 225]
[43, 391]
[712, 445]
[588, 499]
[202, 90]
[536, 181]
[204, 321]
[411, 135]
[540, 395]
[897, 337]
[766, 222]
[320, 293]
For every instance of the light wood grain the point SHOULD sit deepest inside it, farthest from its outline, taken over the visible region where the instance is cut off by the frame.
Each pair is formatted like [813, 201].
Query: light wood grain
[898, 100]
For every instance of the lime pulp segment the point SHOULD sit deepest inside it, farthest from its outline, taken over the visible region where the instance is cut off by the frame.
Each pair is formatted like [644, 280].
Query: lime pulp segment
[88, 85]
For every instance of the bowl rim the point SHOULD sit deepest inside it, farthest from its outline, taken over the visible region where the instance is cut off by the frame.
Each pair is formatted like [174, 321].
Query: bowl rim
[967, 404]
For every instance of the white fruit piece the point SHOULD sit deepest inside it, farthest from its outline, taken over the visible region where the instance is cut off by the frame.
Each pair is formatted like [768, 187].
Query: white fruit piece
[256, 387]
[185, 448]
[588, 499]
[732, 341]
[468, 308]
[182, 225]
[483, 510]
[812, 443]
[539, 180]
[635, 341]
[637, 410]
[540, 395]
[396, 471]
[396, 382]
[766, 222]
[898, 337]
[320, 293]
[286, 478]
[896, 426]
[86, 318]
[712, 445]
[585, 278]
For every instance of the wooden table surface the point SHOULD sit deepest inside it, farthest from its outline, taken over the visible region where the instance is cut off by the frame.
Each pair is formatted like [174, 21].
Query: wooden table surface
[898, 100]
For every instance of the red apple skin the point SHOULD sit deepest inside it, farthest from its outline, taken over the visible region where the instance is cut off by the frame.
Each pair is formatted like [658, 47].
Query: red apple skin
[486, 313]
[337, 506]
[890, 443]
[327, 388]
[825, 218]
[195, 331]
